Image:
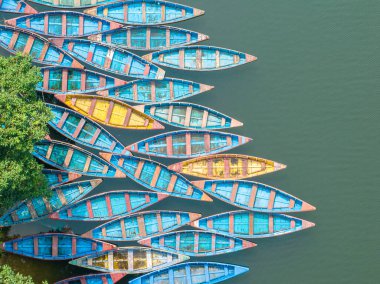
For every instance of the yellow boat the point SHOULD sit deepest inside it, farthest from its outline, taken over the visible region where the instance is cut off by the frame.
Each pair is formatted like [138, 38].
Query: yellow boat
[109, 112]
[227, 166]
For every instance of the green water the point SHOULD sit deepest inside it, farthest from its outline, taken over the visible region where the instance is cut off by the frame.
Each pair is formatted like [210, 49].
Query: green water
[309, 102]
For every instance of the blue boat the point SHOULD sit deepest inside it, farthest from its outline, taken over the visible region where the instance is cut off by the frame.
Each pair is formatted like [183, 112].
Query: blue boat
[199, 58]
[55, 246]
[110, 58]
[40, 207]
[84, 131]
[188, 144]
[156, 176]
[196, 243]
[141, 225]
[145, 12]
[16, 6]
[188, 115]
[149, 38]
[71, 4]
[246, 224]
[192, 272]
[71, 158]
[155, 91]
[56, 177]
[109, 205]
[63, 24]
[41, 50]
[254, 196]
[104, 278]
[66, 80]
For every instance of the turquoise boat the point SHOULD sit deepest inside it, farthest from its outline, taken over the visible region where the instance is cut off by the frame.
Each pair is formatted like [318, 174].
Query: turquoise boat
[141, 225]
[71, 158]
[71, 4]
[41, 50]
[188, 144]
[149, 37]
[156, 176]
[104, 278]
[130, 260]
[254, 196]
[155, 91]
[192, 272]
[246, 224]
[145, 12]
[66, 80]
[62, 24]
[188, 115]
[199, 58]
[196, 243]
[110, 58]
[84, 131]
[55, 246]
[109, 205]
[40, 207]
[16, 6]
[56, 177]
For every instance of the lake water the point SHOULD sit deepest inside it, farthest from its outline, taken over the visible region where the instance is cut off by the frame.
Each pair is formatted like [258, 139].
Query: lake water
[309, 102]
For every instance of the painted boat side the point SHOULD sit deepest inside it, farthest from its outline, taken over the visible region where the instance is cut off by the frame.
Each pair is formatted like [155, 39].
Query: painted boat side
[145, 12]
[110, 58]
[62, 24]
[57, 177]
[188, 143]
[156, 177]
[227, 166]
[40, 207]
[66, 80]
[130, 260]
[254, 196]
[146, 91]
[55, 246]
[71, 158]
[108, 206]
[188, 115]
[110, 112]
[41, 50]
[15, 6]
[149, 37]
[196, 243]
[199, 58]
[72, 4]
[204, 272]
[84, 131]
[142, 225]
[107, 278]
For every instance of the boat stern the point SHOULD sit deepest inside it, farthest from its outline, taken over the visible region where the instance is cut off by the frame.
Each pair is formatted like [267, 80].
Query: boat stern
[240, 269]
[247, 244]
[206, 198]
[76, 64]
[95, 182]
[148, 57]
[54, 216]
[107, 247]
[87, 235]
[202, 37]
[29, 9]
[205, 88]
[139, 108]
[60, 97]
[198, 12]
[157, 126]
[119, 174]
[160, 74]
[161, 196]
[145, 242]
[278, 166]
[199, 183]
[57, 41]
[194, 224]
[250, 58]
[11, 22]
[307, 224]
[176, 167]
[106, 156]
[115, 25]
[236, 123]
[117, 276]
[307, 207]
[194, 216]
[73, 176]
[91, 11]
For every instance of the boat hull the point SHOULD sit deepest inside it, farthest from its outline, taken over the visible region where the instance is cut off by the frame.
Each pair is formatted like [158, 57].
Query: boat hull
[56, 177]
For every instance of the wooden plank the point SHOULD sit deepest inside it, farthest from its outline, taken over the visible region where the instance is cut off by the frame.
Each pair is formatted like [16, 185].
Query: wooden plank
[147, 198]
[109, 112]
[163, 16]
[28, 45]
[171, 88]
[188, 37]
[146, 70]
[89, 209]
[139, 169]
[213, 242]
[35, 246]
[46, 24]
[47, 205]
[231, 224]
[109, 206]
[104, 280]
[198, 60]
[13, 40]
[54, 246]
[44, 51]
[153, 90]
[122, 226]
[188, 116]
[196, 242]
[181, 58]
[81, 25]
[217, 58]
[271, 199]
[209, 223]
[31, 209]
[62, 119]
[130, 260]
[252, 197]
[141, 224]
[127, 117]
[167, 43]
[14, 216]
[291, 203]
[49, 151]
[15, 246]
[159, 222]
[209, 167]
[170, 113]
[64, 23]
[143, 11]
[109, 57]
[270, 224]
[110, 260]
[207, 142]
[100, 25]
[87, 164]
[172, 182]
[90, 53]
[229, 140]
[204, 119]
[178, 240]
[188, 143]
[189, 190]
[251, 223]
[169, 145]
[64, 79]
[61, 197]
[134, 90]
[128, 202]
[147, 37]
[92, 106]
[125, 9]
[68, 157]
[244, 167]
[292, 224]
[234, 191]
[46, 79]
[95, 137]
[155, 176]
[79, 128]
[226, 168]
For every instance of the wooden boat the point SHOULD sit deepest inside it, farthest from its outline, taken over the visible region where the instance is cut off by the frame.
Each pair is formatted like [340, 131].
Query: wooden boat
[42, 51]
[63, 24]
[188, 115]
[71, 4]
[55, 246]
[227, 166]
[254, 196]
[16, 6]
[110, 58]
[155, 91]
[108, 206]
[64, 80]
[130, 260]
[56, 177]
[84, 131]
[71, 158]
[110, 112]
[40, 207]
[107, 278]
[246, 224]
[142, 225]
[199, 58]
[188, 143]
[149, 37]
[145, 12]
[201, 272]
[156, 176]
[196, 243]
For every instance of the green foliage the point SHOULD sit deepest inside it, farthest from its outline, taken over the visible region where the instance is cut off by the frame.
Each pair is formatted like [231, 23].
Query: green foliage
[8, 276]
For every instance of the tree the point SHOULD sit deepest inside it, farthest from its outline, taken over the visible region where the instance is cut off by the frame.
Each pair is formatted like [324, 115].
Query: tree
[8, 276]
[23, 122]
